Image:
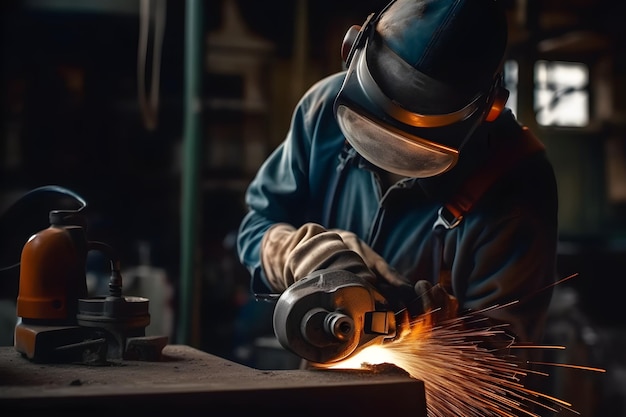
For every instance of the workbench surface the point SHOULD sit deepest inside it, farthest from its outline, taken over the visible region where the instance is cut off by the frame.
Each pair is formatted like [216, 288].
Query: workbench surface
[190, 381]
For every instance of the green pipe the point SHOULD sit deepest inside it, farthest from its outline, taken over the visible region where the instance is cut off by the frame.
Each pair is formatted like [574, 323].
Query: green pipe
[192, 143]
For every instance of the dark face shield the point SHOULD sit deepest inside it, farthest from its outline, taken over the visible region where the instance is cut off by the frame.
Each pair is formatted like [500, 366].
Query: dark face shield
[396, 139]
[393, 150]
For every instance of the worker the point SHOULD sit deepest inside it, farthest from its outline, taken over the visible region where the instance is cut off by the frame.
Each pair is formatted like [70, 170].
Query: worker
[375, 153]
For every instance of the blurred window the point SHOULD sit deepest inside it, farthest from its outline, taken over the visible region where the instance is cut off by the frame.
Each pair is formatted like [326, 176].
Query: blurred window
[561, 93]
[510, 83]
[561, 96]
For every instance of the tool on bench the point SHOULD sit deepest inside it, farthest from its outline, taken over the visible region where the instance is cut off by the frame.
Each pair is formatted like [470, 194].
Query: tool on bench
[57, 320]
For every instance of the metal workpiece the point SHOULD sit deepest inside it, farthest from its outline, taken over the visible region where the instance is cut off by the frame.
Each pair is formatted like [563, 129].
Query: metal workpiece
[330, 315]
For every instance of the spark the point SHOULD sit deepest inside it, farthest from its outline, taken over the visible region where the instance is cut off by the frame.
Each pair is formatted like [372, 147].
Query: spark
[566, 365]
[462, 376]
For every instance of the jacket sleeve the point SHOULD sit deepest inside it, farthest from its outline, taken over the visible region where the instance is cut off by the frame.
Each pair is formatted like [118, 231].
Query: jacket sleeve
[278, 187]
[287, 186]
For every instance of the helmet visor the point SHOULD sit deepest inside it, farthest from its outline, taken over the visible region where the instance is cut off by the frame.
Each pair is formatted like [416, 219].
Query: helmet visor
[390, 136]
[392, 149]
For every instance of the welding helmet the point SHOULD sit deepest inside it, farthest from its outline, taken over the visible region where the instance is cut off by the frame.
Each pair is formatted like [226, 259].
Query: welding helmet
[421, 76]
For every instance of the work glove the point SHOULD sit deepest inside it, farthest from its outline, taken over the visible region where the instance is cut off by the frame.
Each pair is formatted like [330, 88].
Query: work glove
[394, 287]
[436, 304]
[288, 254]
[383, 271]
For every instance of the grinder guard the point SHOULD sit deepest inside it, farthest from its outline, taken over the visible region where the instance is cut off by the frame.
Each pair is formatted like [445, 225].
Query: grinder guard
[330, 315]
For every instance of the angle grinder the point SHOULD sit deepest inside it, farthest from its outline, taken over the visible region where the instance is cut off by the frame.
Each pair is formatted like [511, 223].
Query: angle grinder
[331, 315]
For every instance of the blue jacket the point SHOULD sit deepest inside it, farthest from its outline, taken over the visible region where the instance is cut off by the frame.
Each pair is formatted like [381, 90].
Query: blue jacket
[503, 251]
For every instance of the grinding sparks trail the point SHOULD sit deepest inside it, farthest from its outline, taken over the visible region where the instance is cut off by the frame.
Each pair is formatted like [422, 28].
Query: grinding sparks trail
[461, 376]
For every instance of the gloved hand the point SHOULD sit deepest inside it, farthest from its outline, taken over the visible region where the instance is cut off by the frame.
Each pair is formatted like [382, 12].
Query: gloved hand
[289, 254]
[436, 303]
[396, 289]
[373, 260]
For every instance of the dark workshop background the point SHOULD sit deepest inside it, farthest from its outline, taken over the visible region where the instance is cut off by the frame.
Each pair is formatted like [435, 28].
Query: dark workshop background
[71, 116]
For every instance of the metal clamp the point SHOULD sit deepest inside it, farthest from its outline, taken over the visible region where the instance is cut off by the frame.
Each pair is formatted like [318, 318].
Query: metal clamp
[446, 219]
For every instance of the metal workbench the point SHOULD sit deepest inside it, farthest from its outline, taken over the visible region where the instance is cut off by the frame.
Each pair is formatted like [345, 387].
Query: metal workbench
[187, 382]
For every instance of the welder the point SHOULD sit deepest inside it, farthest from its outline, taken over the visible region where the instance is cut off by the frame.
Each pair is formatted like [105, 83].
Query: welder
[408, 170]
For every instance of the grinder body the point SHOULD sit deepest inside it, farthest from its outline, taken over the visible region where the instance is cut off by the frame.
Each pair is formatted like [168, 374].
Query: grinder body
[330, 315]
